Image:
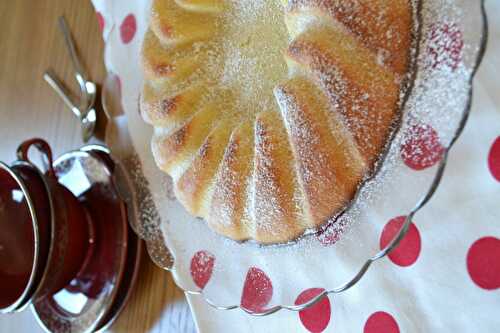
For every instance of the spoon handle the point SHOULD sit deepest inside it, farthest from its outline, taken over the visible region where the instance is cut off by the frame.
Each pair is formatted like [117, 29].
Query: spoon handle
[80, 74]
[70, 45]
[62, 92]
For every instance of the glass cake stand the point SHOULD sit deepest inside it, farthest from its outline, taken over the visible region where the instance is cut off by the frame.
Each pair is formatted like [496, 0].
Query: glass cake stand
[452, 39]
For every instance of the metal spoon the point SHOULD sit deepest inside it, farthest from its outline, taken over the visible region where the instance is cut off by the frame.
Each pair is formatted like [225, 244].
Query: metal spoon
[81, 77]
[88, 118]
[88, 89]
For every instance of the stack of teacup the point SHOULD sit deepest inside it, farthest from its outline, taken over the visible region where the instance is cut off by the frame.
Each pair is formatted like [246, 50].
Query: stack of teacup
[45, 233]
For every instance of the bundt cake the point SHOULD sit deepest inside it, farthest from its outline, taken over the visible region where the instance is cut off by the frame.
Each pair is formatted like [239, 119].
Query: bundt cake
[270, 114]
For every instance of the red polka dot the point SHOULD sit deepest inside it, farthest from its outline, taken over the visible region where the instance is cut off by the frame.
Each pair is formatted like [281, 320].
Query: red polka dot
[100, 21]
[202, 265]
[408, 250]
[445, 45]
[128, 28]
[257, 291]
[422, 148]
[494, 159]
[381, 322]
[316, 318]
[483, 263]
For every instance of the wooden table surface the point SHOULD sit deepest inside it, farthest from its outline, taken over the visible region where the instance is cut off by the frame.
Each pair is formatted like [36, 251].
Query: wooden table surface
[30, 43]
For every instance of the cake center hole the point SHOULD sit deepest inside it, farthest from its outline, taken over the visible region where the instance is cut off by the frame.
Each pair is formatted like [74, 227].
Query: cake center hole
[255, 38]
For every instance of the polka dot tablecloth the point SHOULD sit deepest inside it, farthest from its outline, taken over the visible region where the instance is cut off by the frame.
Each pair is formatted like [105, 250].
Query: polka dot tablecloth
[445, 274]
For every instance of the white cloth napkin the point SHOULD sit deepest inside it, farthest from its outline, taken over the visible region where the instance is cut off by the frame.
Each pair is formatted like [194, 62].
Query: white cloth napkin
[445, 277]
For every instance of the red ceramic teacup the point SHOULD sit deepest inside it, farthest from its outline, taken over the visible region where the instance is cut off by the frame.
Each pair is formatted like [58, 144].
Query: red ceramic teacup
[25, 228]
[44, 231]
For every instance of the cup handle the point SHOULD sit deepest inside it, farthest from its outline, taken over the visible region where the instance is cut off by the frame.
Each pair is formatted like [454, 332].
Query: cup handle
[43, 147]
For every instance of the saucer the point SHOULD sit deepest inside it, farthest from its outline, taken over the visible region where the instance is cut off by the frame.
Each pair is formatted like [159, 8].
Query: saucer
[89, 299]
[134, 257]
[135, 244]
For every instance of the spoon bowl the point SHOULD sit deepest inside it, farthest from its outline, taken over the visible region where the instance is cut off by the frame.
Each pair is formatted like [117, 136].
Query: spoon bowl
[88, 124]
[91, 89]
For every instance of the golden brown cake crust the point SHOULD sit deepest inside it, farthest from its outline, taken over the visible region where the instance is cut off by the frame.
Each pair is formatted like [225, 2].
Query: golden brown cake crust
[270, 164]
[382, 26]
